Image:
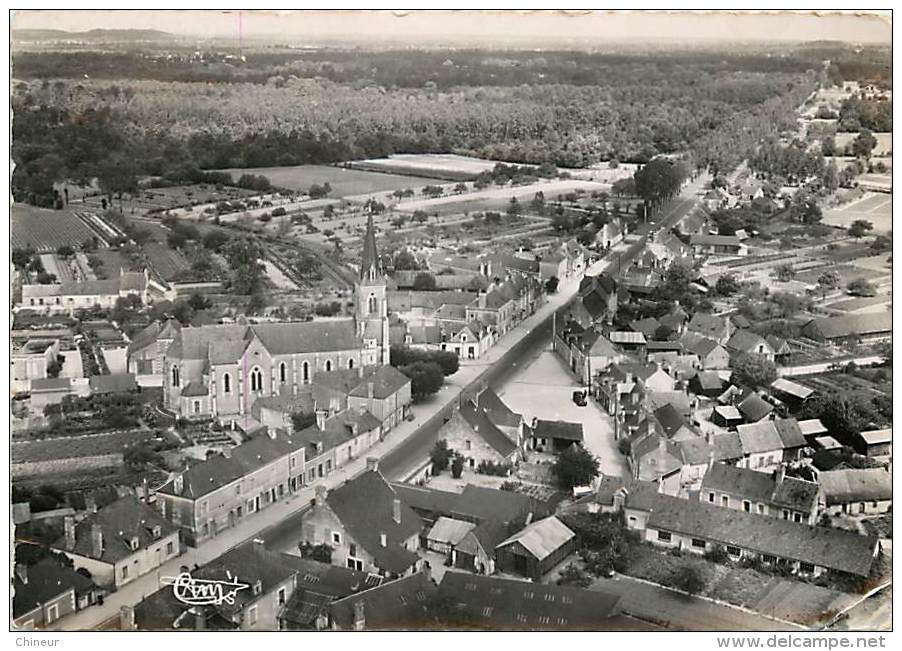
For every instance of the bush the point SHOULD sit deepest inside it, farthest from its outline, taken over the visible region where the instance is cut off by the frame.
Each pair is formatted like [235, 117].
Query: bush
[717, 554]
[572, 575]
[404, 356]
[688, 578]
[457, 466]
[440, 456]
[494, 469]
[321, 552]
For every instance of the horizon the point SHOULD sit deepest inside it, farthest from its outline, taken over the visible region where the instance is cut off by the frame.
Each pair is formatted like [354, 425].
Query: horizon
[504, 28]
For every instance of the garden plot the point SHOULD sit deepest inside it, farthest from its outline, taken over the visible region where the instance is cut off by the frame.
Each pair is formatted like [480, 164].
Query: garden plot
[884, 142]
[46, 230]
[277, 277]
[449, 167]
[872, 207]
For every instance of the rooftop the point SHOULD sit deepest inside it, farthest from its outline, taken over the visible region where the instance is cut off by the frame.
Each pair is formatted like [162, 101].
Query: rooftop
[542, 538]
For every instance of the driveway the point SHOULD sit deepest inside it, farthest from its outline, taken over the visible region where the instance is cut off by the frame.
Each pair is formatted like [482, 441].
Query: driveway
[544, 389]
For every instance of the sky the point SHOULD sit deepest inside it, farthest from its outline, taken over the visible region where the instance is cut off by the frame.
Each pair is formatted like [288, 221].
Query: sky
[467, 26]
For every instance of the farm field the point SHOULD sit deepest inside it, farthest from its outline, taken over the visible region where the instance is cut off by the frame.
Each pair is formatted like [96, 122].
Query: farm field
[847, 274]
[498, 198]
[450, 167]
[45, 230]
[167, 263]
[872, 207]
[884, 142]
[161, 199]
[344, 182]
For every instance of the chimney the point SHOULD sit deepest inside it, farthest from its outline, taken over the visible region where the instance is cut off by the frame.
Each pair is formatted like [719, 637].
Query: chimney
[709, 437]
[178, 484]
[271, 431]
[619, 500]
[372, 464]
[145, 490]
[97, 540]
[259, 546]
[383, 539]
[126, 618]
[780, 475]
[320, 419]
[359, 617]
[662, 445]
[321, 492]
[200, 619]
[528, 519]
[710, 458]
[396, 511]
[69, 528]
[90, 504]
[22, 572]
[369, 390]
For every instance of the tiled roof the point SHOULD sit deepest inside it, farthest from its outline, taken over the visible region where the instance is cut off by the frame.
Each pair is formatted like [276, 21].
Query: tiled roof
[449, 530]
[792, 388]
[318, 585]
[853, 324]
[46, 580]
[759, 437]
[51, 384]
[714, 240]
[626, 337]
[481, 423]
[395, 605]
[767, 488]
[707, 325]
[790, 433]
[871, 437]
[753, 408]
[745, 341]
[478, 504]
[506, 604]
[557, 429]
[364, 505]
[646, 326]
[826, 547]
[856, 485]
[542, 537]
[120, 522]
[386, 381]
[695, 343]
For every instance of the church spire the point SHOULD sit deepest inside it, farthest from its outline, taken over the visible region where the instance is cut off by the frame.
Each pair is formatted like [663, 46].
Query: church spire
[370, 268]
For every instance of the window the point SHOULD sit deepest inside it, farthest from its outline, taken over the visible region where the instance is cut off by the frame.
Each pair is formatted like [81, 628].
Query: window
[861, 507]
[767, 558]
[469, 444]
[549, 597]
[487, 611]
[336, 537]
[785, 514]
[355, 564]
[760, 509]
[698, 543]
[226, 383]
[292, 462]
[725, 501]
[124, 573]
[252, 615]
[169, 548]
[351, 363]
[521, 618]
[746, 506]
[157, 531]
[711, 497]
[283, 372]
[371, 304]
[796, 517]
[256, 379]
[258, 587]
[807, 568]
[305, 372]
[328, 365]
[196, 406]
[664, 536]
[175, 376]
[53, 613]
[352, 549]
[733, 551]
[281, 596]
[134, 544]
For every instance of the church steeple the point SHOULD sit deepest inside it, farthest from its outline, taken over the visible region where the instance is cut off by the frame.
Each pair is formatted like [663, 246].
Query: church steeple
[370, 266]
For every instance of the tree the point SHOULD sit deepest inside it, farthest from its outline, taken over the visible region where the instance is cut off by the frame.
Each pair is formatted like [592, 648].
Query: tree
[460, 188]
[575, 466]
[804, 208]
[829, 280]
[55, 366]
[513, 207]
[248, 273]
[859, 228]
[457, 466]
[139, 456]
[66, 251]
[624, 187]
[784, 272]
[727, 285]
[551, 285]
[426, 378]
[424, 281]
[844, 413]
[864, 144]
[404, 260]
[828, 146]
[688, 578]
[214, 240]
[861, 287]
[321, 552]
[753, 370]
[440, 456]
[446, 360]
[572, 575]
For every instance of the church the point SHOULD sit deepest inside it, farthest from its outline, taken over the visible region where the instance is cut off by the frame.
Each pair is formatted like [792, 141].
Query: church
[218, 371]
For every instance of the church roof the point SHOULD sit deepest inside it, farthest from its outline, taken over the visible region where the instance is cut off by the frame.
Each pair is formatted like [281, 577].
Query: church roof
[370, 257]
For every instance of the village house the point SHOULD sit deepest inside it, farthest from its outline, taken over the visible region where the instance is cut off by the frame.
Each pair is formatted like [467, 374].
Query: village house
[367, 525]
[749, 343]
[554, 435]
[49, 391]
[32, 360]
[119, 542]
[792, 394]
[66, 297]
[856, 491]
[146, 351]
[754, 408]
[470, 340]
[336, 440]
[46, 592]
[718, 328]
[761, 445]
[216, 494]
[399, 604]
[711, 355]
[484, 430]
[585, 352]
[698, 526]
[267, 581]
[718, 245]
[596, 301]
[853, 327]
[317, 586]
[774, 494]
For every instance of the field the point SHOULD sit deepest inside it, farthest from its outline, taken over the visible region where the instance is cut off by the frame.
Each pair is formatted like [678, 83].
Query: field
[498, 198]
[344, 182]
[167, 263]
[875, 208]
[884, 142]
[46, 230]
[160, 199]
[449, 167]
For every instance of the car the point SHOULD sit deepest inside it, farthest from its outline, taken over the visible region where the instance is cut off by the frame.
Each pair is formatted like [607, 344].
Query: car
[579, 397]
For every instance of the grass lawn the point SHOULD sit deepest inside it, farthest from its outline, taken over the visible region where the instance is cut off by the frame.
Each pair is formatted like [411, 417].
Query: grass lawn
[344, 182]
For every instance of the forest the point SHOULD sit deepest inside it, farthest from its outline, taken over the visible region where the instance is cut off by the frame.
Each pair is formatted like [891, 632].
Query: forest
[127, 114]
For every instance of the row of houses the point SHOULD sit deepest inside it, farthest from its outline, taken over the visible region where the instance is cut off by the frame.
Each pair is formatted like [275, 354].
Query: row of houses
[84, 294]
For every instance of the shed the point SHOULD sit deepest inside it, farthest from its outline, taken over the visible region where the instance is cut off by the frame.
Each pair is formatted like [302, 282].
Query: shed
[536, 549]
[726, 416]
[876, 442]
[446, 533]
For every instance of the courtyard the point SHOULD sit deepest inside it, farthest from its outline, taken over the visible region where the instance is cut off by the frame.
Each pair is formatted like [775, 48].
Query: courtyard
[544, 389]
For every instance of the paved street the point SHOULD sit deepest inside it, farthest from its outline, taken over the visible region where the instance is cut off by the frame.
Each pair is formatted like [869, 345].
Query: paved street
[676, 611]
